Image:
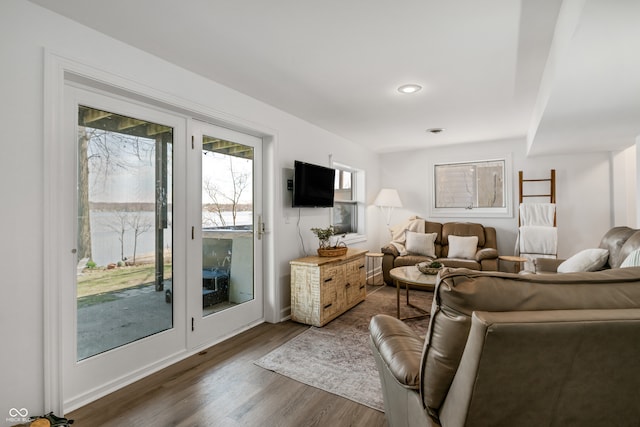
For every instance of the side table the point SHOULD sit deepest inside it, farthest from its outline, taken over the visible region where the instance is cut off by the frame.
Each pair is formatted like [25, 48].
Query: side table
[374, 261]
[516, 260]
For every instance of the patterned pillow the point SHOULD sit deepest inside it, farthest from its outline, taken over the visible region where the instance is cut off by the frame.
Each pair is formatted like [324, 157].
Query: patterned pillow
[632, 260]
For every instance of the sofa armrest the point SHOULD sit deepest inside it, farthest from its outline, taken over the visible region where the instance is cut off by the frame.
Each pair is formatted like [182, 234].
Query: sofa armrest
[399, 347]
[486, 253]
[390, 250]
[547, 265]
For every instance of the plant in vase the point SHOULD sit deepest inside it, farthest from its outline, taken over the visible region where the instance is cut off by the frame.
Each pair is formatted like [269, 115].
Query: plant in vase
[325, 247]
[429, 267]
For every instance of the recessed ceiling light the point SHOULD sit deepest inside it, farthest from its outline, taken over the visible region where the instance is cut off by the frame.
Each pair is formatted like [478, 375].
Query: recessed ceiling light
[410, 88]
[435, 130]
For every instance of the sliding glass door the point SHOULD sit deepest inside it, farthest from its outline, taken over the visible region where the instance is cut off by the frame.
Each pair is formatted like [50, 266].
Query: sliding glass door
[160, 249]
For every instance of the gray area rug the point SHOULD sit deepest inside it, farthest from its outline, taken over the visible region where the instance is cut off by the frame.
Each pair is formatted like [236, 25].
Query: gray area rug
[337, 358]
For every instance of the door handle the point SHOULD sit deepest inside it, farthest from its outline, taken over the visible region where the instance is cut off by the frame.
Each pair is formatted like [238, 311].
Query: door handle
[260, 227]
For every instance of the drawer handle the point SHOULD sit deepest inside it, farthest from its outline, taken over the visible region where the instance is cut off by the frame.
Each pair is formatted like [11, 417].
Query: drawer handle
[328, 305]
[361, 286]
[328, 280]
[348, 285]
[362, 266]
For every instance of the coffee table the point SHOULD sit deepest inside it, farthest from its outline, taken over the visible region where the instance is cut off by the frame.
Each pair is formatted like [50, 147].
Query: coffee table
[411, 276]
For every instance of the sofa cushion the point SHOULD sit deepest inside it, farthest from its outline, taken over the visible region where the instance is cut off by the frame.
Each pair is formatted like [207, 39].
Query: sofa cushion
[403, 261]
[586, 260]
[463, 229]
[464, 247]
[460, 292]
[421, 243]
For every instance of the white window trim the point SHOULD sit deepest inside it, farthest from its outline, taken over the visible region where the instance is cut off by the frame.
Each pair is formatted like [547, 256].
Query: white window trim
[502, 212]
[358, 184]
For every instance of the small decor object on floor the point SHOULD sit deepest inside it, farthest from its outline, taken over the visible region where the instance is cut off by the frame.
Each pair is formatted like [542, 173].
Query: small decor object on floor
[324, 238]
[429, 267]
[50, 420]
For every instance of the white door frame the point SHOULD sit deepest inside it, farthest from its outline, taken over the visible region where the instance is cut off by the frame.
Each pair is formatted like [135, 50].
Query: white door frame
[58, 69]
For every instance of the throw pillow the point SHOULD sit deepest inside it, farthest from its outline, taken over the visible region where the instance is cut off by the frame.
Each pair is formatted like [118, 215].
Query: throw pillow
[586, 260]
[463, 247]
[421, 243]
[632, 260]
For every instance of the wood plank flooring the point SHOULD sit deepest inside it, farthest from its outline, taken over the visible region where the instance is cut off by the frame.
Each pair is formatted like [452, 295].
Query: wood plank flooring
[222, 387]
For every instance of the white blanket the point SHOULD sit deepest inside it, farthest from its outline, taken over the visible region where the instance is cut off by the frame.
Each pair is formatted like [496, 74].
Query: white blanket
[533, 239]
[398, 238]
[537, 214]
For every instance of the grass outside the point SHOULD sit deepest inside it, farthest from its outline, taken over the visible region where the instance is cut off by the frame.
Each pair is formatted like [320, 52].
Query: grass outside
[94, 282]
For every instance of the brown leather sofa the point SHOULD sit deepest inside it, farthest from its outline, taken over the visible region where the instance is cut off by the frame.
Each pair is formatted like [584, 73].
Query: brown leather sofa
[505, 349]
[486, 257]
[619, 241]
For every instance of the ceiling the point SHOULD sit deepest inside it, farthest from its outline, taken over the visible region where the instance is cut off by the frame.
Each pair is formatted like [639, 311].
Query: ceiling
[566, 75]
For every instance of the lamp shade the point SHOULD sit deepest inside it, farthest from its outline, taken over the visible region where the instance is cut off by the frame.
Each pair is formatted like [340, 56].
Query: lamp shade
[388, 197]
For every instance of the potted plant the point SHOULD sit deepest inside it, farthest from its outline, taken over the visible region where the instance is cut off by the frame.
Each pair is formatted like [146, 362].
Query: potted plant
[429, 267]
[325, 247]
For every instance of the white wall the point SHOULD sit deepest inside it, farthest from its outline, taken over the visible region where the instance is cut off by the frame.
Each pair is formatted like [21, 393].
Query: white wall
[584, 192]
[26, 31]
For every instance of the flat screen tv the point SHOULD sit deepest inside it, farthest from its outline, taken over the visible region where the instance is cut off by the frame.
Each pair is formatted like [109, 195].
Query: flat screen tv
[312, 186]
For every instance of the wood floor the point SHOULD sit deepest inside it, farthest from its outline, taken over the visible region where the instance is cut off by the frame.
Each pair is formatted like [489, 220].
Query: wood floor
[222, 387]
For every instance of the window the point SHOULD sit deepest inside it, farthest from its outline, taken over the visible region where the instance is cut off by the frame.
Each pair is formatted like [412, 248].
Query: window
[348, 206]
[477, 188]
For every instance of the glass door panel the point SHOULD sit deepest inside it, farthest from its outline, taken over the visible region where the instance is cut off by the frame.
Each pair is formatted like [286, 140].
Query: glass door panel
[227, 224]
[124, 244]
[224, 252]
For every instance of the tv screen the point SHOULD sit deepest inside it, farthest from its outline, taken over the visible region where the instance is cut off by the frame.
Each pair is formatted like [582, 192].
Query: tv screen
[312, 186]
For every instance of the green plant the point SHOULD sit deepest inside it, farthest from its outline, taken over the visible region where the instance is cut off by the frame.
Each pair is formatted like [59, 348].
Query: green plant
[324, 237]
[91, 264]
[435, 264]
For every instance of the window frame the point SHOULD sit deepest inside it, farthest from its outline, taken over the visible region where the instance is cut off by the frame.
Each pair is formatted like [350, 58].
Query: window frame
[505, 211]
[358, 199]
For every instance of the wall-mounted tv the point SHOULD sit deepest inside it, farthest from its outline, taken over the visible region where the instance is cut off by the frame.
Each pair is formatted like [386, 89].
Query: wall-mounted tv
[312, 186]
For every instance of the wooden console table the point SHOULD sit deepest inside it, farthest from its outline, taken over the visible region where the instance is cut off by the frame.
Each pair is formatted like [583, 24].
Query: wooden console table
[322, 288]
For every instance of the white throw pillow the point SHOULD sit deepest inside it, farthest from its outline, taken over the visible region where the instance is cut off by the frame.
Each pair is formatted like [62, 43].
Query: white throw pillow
[463, 247]
[632, 260]
[421, 243]
[586, 260]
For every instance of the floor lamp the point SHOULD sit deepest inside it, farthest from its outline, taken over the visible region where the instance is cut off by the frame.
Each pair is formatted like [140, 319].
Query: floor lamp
[388, 199]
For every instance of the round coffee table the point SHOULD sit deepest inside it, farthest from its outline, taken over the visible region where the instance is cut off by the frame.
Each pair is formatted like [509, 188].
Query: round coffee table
[411, 276]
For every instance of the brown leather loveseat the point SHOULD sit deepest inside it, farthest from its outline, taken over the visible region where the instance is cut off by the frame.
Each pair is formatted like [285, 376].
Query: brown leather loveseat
[505, 349]
[485, 257]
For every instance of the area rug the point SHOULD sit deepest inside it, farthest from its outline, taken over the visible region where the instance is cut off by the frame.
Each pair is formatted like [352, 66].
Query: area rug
[337, 358]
